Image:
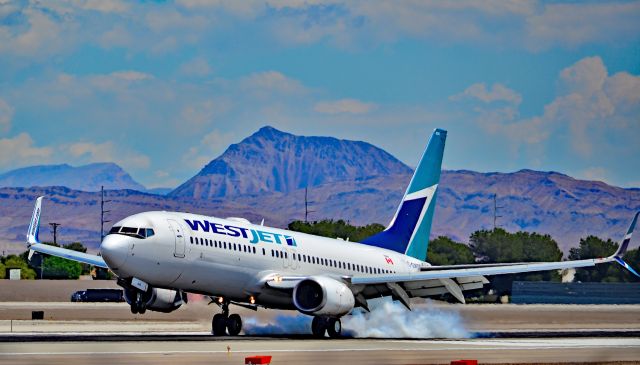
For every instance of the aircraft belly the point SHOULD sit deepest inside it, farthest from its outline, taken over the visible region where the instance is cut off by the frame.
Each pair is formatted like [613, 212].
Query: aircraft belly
[217, 279]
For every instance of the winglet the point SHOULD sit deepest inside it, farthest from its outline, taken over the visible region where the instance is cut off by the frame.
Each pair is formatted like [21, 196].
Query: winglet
[34, 226]
[624, 245]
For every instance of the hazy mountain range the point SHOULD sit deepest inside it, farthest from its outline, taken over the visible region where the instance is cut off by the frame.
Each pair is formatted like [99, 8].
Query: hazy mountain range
[88, 177]
[264, 176]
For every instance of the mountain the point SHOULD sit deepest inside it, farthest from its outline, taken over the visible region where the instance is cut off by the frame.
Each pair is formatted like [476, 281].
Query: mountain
[545, 202]
[264, 176]
[274, 161]
[88, 177]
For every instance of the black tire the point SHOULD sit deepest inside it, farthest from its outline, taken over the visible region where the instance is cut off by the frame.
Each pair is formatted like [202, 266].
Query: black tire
[134, 308]
[234, 325]
[318, 327]
[219, 325]
[142, 308]
[334, 328]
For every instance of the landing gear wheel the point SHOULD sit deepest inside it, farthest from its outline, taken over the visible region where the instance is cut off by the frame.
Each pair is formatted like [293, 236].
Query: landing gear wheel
[134, 308]
[219, 325]
[142, 308]
[318, 327]
[234, 325]
[334, 328]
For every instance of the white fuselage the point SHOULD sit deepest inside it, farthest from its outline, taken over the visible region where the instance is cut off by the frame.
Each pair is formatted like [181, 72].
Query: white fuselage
[232, 258]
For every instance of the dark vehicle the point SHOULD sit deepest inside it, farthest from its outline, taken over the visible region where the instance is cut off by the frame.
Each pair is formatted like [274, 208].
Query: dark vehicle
[98, 295]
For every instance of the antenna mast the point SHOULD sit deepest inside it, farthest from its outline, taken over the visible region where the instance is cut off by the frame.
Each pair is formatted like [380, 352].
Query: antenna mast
[102, 212]
[495, 211]
[306, 206]
[55, 231]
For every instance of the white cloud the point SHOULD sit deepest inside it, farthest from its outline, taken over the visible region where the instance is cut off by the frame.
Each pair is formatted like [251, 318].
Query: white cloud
[198, 67]
[201, 113]
[20, 150]
[595, 173]
[575, 23]
[210, 147]
[6, 114]
[593, 111]
[40, 35]
[497, 92]
[264, 84]
[111, 6]
[245, 9]
[349, 106]
[87, 152]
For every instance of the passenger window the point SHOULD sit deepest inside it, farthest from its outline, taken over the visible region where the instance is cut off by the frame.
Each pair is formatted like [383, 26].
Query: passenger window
[191, 239]
[264, 252]
[254, 249]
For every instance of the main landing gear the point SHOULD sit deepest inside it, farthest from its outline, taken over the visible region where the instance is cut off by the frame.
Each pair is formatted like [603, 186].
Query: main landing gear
[332, 326]
[138, 305]
[223, 322]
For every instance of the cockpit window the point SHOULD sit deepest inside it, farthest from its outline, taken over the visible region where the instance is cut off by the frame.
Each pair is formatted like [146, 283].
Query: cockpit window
[129, 230]
[133, 232]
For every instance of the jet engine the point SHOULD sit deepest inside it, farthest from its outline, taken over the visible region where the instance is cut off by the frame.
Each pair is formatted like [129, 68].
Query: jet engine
[156, 299]
[320, 295]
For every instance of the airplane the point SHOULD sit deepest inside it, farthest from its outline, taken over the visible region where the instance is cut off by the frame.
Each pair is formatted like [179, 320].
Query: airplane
[160, 256]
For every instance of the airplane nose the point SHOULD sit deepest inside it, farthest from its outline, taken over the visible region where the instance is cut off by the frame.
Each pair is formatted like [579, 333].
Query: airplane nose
[114, 250]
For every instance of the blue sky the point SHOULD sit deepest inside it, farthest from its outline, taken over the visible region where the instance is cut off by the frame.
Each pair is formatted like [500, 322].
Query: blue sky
[161, 88]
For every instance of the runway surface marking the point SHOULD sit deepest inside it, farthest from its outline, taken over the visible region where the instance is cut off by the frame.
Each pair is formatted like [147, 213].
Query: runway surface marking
[14, 349]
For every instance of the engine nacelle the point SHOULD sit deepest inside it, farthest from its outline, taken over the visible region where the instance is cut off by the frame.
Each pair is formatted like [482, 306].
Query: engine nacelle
[159, 300]
[321, 295]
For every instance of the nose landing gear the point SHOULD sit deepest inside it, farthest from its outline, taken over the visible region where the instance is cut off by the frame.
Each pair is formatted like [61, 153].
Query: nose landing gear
[332, 326]
[223, 322]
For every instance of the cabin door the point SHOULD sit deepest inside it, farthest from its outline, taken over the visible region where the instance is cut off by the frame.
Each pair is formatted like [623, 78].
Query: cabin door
[178, 234]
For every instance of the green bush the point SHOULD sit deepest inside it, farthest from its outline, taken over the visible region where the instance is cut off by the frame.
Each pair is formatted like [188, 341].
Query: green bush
[335, 229]
[18, 262]
[444, 251]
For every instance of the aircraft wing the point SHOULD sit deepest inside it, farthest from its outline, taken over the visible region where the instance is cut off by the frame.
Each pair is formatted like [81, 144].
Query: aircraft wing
[35, 246]
[457, 278]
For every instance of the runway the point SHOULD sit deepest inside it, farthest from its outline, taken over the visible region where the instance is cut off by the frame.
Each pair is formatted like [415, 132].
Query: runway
[307, 351]
[86, 333]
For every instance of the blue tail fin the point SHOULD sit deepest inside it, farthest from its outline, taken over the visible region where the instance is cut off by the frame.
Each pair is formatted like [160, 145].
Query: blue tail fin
[409, 230]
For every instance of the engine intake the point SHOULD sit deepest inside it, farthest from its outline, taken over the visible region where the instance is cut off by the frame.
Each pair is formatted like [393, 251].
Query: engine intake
[320, 295]
[157, 299]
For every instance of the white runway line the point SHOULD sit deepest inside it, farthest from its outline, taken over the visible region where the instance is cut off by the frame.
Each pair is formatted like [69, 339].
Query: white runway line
[403, 346]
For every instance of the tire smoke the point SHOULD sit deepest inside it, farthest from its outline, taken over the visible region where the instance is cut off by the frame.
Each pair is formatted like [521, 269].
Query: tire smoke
[281, 324]
[387, 319]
